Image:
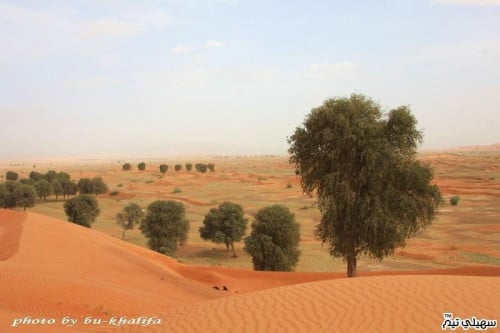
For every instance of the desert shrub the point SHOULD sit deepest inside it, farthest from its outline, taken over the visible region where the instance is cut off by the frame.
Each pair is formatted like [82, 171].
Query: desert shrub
[149, 181]
[119, 185]
[165, 226]
[141, 166]
[127, 167]
[11, 175]
[225, 224]
[454, 200]
[189, 166]
[288, 185]
[178, 167]
[261, 178]
[113, 193]
[274, 240]
[211, 167]
[82, 209]
[163, 168]
[177, 190]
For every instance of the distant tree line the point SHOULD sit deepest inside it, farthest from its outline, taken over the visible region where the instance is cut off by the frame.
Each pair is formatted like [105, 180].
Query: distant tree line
[200, 167]
[24, 192]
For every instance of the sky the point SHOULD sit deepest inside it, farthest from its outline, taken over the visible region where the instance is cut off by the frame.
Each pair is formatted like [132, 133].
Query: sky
[160, 77]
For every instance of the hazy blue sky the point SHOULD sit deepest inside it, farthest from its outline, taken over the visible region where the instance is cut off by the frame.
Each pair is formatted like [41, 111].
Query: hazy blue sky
[139, 77]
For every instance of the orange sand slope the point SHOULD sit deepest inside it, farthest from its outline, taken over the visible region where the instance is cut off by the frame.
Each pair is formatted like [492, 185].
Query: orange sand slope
[52, 269]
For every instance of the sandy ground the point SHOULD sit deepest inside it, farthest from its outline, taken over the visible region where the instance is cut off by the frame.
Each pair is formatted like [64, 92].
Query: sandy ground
[50, 268]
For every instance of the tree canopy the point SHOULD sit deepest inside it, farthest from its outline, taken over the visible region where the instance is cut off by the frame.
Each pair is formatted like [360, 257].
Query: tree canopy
[225, 224]
[82, 209]
[163, 168]
[165, 226]
[372, 192]
[141, 166]
[25, 196]
[126, 167]
[274, 240]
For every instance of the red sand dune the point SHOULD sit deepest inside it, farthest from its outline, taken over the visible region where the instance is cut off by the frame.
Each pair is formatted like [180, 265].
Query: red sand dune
[51, 269]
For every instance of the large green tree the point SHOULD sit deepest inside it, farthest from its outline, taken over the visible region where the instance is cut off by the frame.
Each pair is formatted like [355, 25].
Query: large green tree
[274, 240]
[82, 209]
[165, 226]
[225, 224]
[372, 192]
[131, 215]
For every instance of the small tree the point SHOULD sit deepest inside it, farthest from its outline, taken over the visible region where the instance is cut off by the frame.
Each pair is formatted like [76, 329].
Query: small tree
[163, 168]
[11, 175]
[224, 224]
[85, 186]
[273, 243]
[189, 166]
[69, 188]
[372, 192]
[43, 189]
[141, 166]
[98, 186]
[8, 194]
[127, 167]
[200, 167]
[131, 215]
[25, 196]
[82, 209]
[178, 167]
[165, 226]
[51, 175]
[57, 188]
[211, 167]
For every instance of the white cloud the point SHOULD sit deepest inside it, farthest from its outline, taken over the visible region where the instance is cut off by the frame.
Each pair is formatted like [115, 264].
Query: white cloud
[213, 43]
[180, 49]
[483, 3]
[328, 69]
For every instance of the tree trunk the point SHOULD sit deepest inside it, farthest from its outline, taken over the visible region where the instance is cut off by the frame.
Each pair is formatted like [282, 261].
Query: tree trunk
[123, 234]
[232, 246]
[227, 250]
[351, 266]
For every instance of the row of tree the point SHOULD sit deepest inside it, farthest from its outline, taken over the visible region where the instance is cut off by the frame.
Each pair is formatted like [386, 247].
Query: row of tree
[24, 192]
[200, 167]
[273, 242]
